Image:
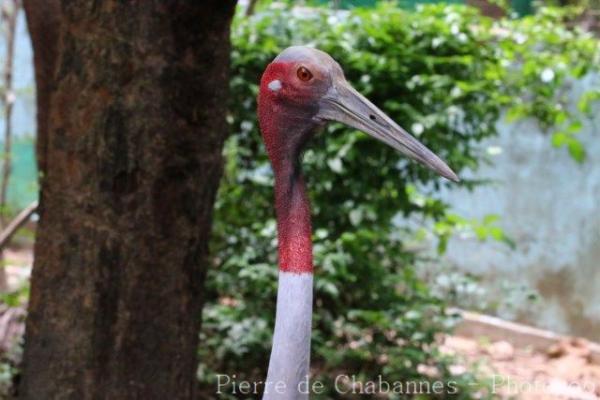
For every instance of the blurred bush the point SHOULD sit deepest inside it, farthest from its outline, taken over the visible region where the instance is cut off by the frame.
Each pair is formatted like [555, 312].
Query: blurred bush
[446, 74]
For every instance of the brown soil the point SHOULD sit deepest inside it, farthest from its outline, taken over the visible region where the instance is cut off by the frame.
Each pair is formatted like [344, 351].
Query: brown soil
[563, 371]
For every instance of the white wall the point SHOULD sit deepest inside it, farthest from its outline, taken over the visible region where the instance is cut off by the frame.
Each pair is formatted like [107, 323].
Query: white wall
[550, 206]
[23, 117]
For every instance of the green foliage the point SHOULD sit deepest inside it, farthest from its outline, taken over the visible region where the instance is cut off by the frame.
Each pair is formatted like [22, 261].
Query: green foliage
[446, 75]
[483, 230]
[15, 298]
[10, 361]
[541, 58]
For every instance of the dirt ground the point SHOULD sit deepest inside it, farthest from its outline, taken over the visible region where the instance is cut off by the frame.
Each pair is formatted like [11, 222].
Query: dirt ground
[563, 371]
[17, 264]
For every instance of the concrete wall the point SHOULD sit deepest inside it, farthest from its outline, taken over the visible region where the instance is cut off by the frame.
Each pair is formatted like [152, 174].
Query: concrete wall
[23, 118]
[23, 183]
[550, 205]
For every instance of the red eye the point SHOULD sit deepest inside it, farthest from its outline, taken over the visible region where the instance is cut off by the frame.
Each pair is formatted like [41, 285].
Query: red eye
[304, 74]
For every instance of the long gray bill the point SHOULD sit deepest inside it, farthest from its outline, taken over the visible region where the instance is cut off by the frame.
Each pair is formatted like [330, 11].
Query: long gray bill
[344, 104]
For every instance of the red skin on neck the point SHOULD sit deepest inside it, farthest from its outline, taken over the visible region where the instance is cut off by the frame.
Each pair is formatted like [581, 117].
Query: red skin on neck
[280, 131]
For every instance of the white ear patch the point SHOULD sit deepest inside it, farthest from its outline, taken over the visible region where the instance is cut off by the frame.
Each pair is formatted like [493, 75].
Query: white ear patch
[274, 85]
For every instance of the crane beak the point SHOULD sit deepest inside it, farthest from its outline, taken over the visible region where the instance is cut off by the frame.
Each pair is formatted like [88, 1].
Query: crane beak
[344, 104]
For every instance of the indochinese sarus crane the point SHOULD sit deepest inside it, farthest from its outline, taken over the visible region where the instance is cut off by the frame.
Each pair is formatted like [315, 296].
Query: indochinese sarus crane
[301, 90]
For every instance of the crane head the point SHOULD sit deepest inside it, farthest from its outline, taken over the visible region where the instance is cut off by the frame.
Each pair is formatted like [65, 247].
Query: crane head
[304, 88]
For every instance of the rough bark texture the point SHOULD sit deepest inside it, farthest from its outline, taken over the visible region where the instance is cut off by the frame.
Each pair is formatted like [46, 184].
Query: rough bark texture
[131, 121]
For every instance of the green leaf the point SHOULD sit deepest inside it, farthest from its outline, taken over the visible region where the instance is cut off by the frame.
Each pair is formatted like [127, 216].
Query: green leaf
[559, 139]
[576, 150]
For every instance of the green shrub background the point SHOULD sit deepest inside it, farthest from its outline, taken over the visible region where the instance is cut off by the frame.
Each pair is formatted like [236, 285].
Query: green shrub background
[443, 72]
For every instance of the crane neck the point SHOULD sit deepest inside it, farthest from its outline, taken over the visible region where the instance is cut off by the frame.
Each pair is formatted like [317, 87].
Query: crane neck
[285, 134]
[289, 364]
[293, 217]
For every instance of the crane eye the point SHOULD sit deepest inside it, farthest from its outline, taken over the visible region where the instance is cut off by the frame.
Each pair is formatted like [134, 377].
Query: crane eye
[304, 74]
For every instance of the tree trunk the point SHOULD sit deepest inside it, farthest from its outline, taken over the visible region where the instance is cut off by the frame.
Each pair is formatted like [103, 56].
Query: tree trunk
[131, 120]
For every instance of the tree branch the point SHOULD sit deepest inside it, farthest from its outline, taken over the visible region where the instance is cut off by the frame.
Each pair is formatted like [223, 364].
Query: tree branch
[17, 223]
[251, 7]
[10, 15]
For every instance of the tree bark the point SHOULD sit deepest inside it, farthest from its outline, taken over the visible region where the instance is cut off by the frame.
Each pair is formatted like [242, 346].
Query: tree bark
[131, 123]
